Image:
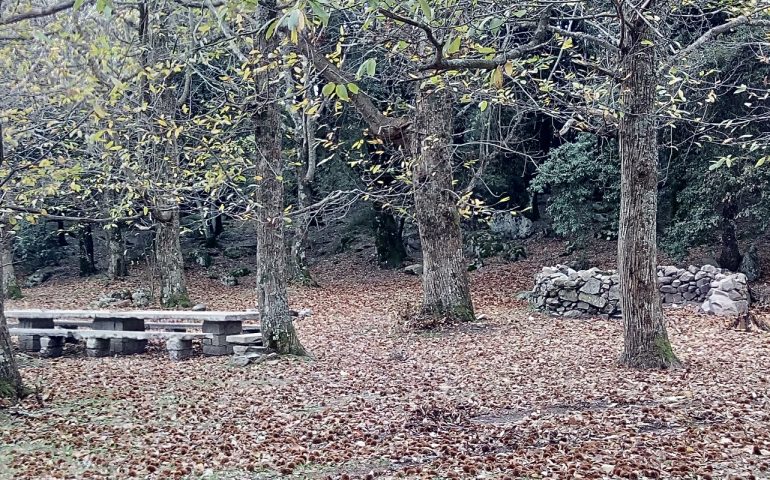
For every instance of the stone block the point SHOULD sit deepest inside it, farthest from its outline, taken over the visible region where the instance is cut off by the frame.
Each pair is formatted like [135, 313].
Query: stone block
[51, 347]
[665, 280]
[569, 295]
[217, 350]
[248, 349]
[97, 347]
[668, 289]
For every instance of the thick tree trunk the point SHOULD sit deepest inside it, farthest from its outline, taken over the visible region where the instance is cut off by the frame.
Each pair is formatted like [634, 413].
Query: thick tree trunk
[646, 343]
[87, 259]
[117, 266]
[10, 380]
[11, 388]
[730, 257]
[11, 288]
[388, 241]
[169, 259]
[445, 274]
[278, 331]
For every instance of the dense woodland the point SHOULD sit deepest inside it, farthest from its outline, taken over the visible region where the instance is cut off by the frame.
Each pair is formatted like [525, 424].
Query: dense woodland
[140, 137]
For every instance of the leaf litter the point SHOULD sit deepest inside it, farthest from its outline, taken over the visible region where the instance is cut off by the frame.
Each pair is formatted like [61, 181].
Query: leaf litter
[517, 395]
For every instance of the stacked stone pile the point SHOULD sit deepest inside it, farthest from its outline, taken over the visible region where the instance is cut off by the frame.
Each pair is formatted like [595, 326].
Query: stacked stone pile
[564, 291]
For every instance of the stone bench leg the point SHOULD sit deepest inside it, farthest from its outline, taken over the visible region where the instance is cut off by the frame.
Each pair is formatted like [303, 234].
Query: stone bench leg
[51, 347]
[178, 349]
[31, 343]
[97, 347]
[218, 345]
[123, 346]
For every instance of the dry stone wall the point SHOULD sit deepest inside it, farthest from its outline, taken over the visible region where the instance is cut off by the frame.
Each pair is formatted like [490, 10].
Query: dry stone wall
[564, 291]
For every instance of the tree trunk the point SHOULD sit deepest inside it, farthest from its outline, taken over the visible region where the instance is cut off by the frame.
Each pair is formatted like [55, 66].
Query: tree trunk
[646, 343]
[10, 380]
[299, 272]
[61, 233]
[730, 257]
[278, 331]
[445, 279]
[87, 259]
[388, 241]
[11, 288]
[11, 388]
[117, 266]
[169, 259]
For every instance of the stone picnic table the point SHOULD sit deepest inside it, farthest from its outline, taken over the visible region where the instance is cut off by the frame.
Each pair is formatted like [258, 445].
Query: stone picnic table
[219, 324]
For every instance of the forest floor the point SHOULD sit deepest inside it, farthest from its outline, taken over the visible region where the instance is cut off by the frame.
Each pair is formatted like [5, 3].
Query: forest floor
[516, 395]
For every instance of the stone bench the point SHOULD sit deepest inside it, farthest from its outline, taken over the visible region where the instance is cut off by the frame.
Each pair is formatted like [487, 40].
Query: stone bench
[218, 324]
[99, 342]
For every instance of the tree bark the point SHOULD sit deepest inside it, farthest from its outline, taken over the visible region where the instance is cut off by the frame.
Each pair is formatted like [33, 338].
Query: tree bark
[388, 240]
[11, 288]
[87, 259]
[299, 273]
[646, 343]
[169, 259]
[730, 257]
[117, 266]
[11, 388]
[278, 331]
[446, 291]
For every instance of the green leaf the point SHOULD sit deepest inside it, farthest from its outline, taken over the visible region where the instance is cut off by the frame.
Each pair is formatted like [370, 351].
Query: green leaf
[353, 88]
[271, 28]
[740, 89]
[342, 92]
[319, 12]
[426, 9]
[454, 45]
[78, 3]
[483, 105]
[328, 88]
[761, 161]
[368, 68]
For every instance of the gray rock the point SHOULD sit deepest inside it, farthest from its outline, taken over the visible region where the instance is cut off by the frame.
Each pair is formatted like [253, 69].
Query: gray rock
[689, 296]
[670, 271]
[673, 298]
[687, 277]
[727, 284]
[240, 360]
[719, 303]
[415, 269]
[569, 295]
[665, 280]
[141, 297]
[593, 300]
[511, 226]
[676, 283]
[750, 264]
[202, 258]
[592, 286]
[39, 277]
[709, 268]
[668, 289]
[692, 269]
[199, 307]
[574, 314]
[614, 293]
[229, 280]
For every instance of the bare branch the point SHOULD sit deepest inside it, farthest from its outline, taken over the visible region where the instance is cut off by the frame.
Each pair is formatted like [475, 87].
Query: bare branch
[37, 13]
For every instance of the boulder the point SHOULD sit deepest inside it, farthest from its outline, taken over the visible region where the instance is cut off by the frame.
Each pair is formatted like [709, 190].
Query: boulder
[719, 303]
[141, 297]
[202, 258]
[511, 225]
[201, 307]
[750, 265]
[228, 280]
[240, 272]
[39, 277]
